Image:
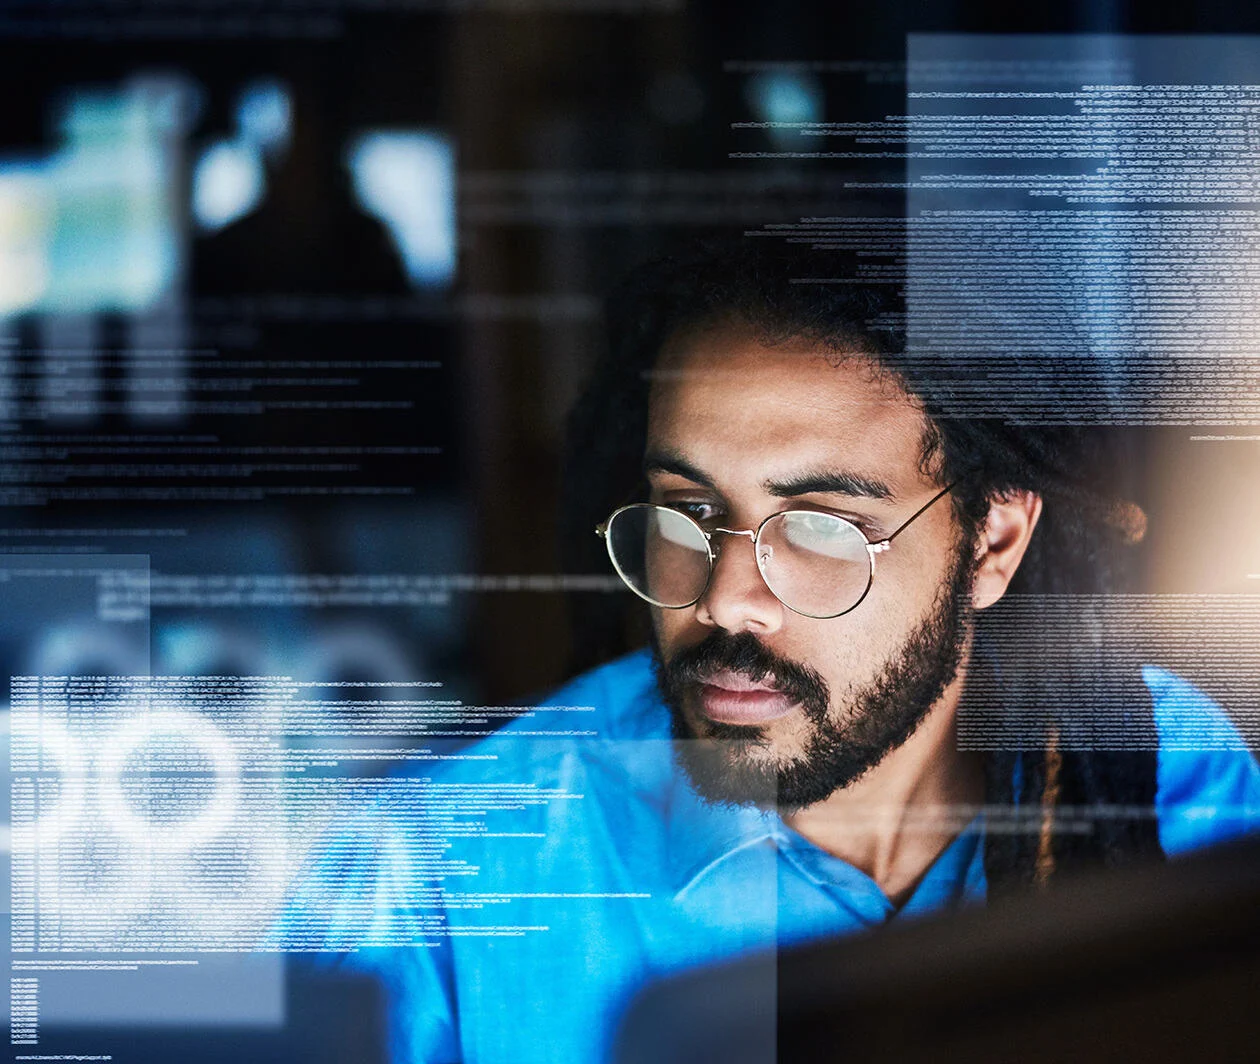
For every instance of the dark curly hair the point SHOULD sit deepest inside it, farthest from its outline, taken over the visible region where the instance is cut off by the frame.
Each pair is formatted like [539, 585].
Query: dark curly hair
[1062, 803]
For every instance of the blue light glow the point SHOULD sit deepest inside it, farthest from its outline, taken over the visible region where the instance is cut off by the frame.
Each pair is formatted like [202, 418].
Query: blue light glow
[228, 183]
[785, 96]
[94, 225]
[264, 117]
[407, 180]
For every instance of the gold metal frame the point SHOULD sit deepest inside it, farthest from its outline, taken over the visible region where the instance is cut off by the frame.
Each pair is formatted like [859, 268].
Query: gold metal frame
[872, 549]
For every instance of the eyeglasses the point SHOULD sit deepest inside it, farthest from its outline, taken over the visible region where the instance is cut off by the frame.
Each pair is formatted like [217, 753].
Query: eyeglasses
[817, 564]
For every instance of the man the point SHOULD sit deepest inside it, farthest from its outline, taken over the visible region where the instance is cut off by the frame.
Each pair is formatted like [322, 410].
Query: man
[816, 538]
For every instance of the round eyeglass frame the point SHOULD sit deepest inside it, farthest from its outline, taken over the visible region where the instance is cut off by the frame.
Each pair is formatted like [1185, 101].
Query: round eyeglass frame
[872, 549]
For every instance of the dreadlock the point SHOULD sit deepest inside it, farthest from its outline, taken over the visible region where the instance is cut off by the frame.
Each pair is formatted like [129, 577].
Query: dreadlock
[1077, 548]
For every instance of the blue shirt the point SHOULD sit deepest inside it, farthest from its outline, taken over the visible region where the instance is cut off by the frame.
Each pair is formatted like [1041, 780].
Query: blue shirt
[513, 902]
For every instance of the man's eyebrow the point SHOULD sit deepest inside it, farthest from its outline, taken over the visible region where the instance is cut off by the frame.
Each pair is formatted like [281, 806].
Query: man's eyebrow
[671, 462]
[830, 482]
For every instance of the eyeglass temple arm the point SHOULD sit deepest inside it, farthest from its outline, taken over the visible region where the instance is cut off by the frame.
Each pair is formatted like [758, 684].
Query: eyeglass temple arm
[887, 540]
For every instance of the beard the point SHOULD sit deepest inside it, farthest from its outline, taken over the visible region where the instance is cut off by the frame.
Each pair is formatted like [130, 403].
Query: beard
[730, 764]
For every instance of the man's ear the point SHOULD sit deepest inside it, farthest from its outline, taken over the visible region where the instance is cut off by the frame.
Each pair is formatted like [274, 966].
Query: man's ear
[1002, 543]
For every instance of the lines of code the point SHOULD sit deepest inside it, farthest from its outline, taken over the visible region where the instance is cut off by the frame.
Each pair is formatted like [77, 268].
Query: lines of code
[1084, 652]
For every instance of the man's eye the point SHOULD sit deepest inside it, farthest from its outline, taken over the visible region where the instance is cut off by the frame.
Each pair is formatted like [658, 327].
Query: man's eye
[824, 526]
[699, 512]
[866, 528]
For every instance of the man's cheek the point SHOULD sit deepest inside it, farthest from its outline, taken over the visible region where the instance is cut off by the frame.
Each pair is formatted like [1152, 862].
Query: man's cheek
[660, 629]
[674, 631]
[849, 656]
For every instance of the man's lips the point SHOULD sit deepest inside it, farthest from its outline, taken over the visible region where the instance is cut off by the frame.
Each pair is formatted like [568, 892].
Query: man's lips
[735, 698]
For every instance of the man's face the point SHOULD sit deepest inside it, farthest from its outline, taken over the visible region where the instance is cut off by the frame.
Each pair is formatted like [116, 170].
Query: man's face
[798, 707]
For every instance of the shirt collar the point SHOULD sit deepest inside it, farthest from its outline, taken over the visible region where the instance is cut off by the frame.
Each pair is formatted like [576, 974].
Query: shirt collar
[701, 836]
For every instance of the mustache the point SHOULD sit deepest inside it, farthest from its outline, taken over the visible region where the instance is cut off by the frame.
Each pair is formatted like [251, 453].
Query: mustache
[745, 653]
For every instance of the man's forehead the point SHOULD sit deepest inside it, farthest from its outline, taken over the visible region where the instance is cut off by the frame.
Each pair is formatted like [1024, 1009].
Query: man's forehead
[723, 355]
[720, 392]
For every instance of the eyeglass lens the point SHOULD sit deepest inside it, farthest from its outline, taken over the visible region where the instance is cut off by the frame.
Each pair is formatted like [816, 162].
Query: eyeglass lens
[815, 563]
[662, 555]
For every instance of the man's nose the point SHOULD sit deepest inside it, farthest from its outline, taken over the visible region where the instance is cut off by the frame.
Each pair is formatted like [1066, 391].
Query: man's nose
[737, 598]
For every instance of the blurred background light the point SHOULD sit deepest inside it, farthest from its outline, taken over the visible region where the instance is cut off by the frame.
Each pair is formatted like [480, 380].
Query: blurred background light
[228, 183]
[407, 181]
[86, 648]
[785, 96]
[202, 648]
[94, 226]
[26, 218]
[264, 117]
[116, 243]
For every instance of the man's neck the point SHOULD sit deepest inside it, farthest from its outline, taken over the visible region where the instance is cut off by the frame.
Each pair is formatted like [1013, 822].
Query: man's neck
[898, 818]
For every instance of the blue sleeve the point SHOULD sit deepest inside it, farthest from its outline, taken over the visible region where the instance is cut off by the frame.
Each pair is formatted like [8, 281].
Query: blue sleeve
[1208, 780]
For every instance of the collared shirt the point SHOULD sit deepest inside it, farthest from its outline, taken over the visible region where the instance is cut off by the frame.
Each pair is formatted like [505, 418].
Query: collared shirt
[513, 902]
